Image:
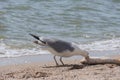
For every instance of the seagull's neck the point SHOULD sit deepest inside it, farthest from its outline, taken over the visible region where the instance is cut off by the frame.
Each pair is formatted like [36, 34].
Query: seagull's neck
[83, 53]
[78, 51]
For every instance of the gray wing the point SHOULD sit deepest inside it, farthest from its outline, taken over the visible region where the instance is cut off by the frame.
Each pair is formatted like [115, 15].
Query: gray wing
[60, 46]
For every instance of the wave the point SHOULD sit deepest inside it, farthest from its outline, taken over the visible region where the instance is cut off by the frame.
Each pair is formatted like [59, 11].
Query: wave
[113, 44]
[6, 51]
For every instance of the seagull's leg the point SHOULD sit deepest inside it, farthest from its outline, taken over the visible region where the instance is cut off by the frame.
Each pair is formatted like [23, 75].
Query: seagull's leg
[56, 61]
[61, 61]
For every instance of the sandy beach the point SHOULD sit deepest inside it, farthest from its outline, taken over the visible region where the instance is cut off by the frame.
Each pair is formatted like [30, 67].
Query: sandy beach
[73, 70]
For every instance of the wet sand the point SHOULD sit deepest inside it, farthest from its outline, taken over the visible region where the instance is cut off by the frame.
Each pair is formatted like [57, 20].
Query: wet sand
[73, 70]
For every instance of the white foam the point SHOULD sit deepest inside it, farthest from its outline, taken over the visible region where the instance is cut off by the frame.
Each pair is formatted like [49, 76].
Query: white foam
[20, 52]
[6, 51]
[113, 44]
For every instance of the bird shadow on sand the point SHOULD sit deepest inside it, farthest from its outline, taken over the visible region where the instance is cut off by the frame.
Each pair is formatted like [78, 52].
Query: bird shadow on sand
[70, 66]
[79, 66]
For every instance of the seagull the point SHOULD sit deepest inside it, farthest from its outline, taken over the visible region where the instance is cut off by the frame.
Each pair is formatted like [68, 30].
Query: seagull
[60, 48]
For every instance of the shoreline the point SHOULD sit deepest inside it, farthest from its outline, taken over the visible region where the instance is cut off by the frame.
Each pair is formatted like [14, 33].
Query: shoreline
[43, 58]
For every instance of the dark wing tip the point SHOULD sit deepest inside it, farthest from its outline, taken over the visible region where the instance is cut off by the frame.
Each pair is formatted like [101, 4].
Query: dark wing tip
[36, 37]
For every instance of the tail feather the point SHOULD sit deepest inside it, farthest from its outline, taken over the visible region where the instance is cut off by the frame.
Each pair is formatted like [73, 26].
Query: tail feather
[36, 37]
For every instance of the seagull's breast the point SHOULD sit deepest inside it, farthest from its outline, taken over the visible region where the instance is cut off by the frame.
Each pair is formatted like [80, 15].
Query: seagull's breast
[63, 54]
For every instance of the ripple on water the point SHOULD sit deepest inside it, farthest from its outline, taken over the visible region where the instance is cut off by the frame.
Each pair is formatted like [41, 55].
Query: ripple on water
[18, 7]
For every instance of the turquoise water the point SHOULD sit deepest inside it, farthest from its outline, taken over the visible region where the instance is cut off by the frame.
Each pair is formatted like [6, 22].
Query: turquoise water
[93, 24]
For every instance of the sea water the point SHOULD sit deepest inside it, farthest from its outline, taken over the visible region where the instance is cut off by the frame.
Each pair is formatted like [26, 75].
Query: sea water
[93, 24]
